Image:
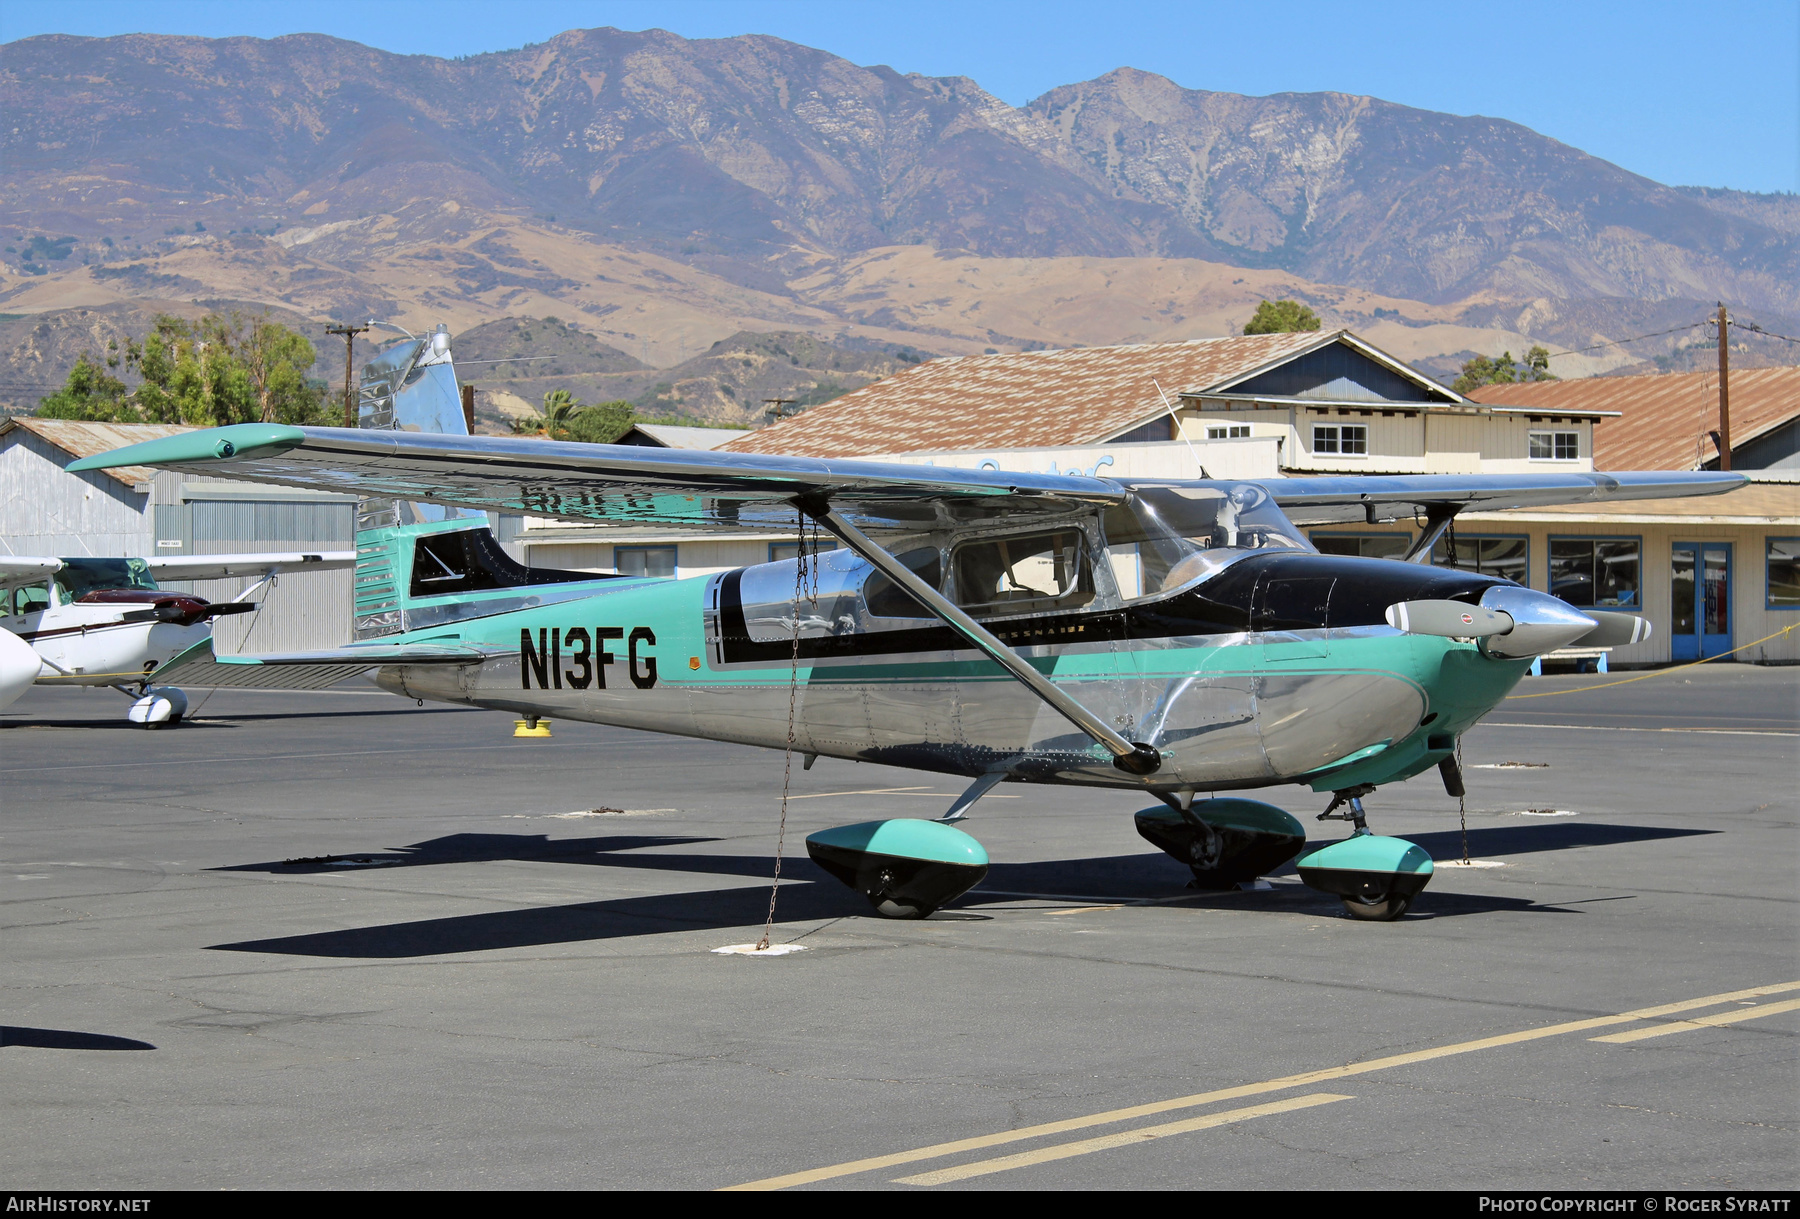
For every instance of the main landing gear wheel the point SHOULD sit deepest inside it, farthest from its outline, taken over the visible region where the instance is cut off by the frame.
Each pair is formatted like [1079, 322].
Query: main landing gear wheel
[158, 707]
[907, 868]
[1385, 911]
[1225, 843]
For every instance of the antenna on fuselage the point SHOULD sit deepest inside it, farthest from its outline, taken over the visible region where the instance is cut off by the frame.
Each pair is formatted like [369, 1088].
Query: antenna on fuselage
[1175, 424]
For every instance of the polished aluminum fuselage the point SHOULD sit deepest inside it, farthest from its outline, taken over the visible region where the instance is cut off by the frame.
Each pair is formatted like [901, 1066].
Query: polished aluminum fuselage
[1234, 710]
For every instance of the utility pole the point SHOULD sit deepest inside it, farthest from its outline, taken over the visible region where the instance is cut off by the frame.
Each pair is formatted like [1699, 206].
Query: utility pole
[1724, 391]
[774, 405]
[349, 333]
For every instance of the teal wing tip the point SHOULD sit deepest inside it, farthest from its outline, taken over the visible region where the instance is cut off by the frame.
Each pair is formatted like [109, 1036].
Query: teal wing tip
[240, 440]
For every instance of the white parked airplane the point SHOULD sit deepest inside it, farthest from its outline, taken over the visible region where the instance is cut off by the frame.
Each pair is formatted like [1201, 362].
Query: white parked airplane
[105, 622]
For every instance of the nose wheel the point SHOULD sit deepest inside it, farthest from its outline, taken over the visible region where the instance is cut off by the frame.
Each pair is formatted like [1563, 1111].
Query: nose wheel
[1374, 876]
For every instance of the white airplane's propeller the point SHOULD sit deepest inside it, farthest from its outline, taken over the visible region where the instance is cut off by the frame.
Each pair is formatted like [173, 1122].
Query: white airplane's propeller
[1519, 622]
[19, 667]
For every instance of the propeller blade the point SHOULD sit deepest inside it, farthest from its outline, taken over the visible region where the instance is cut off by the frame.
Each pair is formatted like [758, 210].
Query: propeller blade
[222, 608]
[1453, 619]
[1615, 630]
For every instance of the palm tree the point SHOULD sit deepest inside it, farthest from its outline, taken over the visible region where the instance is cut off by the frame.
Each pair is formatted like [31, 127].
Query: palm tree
[559, 407]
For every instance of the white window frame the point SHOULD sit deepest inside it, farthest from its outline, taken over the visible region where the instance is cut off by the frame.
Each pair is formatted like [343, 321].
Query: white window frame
[1227, 431]
[675, 567]
[1555, 441]
[1342, 435]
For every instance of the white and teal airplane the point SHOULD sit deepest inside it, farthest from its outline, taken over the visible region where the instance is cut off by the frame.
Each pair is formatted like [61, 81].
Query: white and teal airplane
[91, 621]
[1161, 637]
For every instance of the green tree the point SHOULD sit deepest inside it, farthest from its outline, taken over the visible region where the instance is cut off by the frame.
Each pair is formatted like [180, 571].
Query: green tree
[600, 424]
[90, 393]
[565, 418]
[1281, 317]
[204, 373]
[1504, 370]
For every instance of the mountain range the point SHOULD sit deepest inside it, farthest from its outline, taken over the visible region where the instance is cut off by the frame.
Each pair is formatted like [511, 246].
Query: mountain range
[665, 193]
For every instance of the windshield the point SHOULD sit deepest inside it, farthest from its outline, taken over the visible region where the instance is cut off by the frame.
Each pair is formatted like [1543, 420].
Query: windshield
[80, 577]
[1165, 537]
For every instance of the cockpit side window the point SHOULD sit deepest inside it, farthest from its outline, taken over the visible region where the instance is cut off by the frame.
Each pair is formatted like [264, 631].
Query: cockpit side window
[886, 599]
[1024, 574]
[1163, 538]
[31, 599]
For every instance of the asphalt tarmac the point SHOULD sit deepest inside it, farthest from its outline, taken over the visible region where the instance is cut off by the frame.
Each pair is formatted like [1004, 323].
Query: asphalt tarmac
[338, 941]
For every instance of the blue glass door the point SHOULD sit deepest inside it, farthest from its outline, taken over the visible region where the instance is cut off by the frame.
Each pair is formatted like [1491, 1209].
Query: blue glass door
[1699, 600]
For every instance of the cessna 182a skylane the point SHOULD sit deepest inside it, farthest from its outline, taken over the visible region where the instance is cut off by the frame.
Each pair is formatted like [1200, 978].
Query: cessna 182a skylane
[1167, 638]
[104, 622]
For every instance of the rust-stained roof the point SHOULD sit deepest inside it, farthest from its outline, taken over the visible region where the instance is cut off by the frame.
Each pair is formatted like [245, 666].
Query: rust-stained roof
[80, 438]
[1665, 422]
[1756, 503]
[1080, 395]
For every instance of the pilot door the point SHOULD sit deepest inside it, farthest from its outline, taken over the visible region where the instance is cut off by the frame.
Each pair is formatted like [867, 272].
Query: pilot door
[1290, 616]
[1699, 600]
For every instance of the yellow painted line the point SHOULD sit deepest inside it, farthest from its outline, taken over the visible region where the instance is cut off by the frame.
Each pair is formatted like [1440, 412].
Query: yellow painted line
[1622, 728]
[982, 1141]
[1106, 1142]
[1702, 1022]
[1083, 910]
[873, 791]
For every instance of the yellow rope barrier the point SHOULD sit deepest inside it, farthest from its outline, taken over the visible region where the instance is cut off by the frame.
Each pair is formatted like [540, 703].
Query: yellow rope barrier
[1625, 681]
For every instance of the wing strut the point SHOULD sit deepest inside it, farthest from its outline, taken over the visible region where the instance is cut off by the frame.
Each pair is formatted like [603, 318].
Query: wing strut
[1437, 519]
[1129, 756]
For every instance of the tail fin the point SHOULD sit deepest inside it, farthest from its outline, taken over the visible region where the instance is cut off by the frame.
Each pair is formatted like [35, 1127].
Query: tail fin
[407, 552]
[410, 387]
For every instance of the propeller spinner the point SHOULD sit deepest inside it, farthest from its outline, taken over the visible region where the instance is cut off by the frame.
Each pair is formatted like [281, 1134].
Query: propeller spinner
[1519, 622]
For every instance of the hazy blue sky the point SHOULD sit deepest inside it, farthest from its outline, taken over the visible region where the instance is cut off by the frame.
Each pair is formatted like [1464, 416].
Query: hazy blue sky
[1683, 93]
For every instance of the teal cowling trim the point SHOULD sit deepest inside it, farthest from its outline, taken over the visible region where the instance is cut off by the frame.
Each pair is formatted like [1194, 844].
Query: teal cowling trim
[1368, 853]
[906, 838]
[209, 444]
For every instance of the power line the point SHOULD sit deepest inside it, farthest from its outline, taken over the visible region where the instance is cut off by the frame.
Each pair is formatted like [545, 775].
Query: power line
[1755, 329]
[1635, 338]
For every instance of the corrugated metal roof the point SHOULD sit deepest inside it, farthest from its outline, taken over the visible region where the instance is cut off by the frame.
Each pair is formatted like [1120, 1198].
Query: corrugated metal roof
[1665, 422]
[79, 438]
[1775, 503]
[675, 436]
[1080, 395]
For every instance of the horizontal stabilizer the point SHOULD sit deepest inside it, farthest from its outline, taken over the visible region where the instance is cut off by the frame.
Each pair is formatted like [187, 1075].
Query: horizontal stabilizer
[199, 668]
[369, 655]
[232, 566]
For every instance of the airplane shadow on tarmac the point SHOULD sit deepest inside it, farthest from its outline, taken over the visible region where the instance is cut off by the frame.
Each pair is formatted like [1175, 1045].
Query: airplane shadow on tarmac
[67, 1039]
[1122, 878]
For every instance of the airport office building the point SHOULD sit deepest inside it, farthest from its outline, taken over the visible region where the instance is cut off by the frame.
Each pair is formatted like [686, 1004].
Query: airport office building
[1712, 574]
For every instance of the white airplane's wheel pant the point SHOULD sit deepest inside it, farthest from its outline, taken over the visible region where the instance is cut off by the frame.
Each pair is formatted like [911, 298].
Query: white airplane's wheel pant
[19, 667]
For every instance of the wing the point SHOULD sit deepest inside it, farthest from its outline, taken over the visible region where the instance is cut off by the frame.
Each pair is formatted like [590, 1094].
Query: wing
[24, 569]
[224, 566]
[611, 483]
[1376, 497]
[706, 490]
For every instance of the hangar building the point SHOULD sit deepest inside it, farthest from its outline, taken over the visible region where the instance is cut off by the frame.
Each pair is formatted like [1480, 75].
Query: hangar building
[45, 510]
